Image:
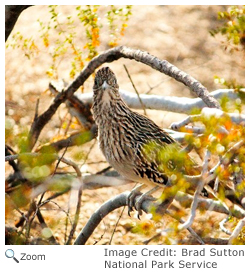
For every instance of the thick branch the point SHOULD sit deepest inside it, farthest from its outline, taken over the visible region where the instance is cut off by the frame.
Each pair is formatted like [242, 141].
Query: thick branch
[121, 200]
[165, 103]
[112, 55]
[75, 139]
[112, 204]
[144, 57]
[206, 203]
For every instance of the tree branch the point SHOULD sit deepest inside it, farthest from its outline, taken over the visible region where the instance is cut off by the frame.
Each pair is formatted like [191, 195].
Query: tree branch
[110, 205]
[199, 189]
[236, 231]
[147, 206]
[112, 55]
[165, 103]
[206, 203]
[144, 57]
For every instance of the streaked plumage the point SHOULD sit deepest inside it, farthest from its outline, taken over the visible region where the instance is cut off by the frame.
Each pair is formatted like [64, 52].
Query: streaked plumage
[130, 142]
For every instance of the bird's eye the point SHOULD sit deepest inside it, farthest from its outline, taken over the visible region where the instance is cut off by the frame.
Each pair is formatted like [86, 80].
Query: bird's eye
[113, 81]
[96, 82]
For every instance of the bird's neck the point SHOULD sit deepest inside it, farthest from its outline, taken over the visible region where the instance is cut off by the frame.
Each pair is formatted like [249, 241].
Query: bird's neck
[106, 108]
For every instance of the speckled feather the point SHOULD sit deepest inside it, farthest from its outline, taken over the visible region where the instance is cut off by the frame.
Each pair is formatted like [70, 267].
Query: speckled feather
[124, 134]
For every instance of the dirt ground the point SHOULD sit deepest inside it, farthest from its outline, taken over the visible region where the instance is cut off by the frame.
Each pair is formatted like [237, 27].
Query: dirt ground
[179, 34]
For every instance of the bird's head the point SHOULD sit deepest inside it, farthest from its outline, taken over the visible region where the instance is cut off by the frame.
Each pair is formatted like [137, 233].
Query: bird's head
[105, 82]
[106, 94]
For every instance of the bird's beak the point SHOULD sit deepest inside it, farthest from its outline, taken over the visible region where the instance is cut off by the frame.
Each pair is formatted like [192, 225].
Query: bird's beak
[105, 85]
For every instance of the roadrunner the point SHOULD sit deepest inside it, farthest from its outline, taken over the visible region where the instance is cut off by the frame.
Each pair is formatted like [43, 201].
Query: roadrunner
[133, 144]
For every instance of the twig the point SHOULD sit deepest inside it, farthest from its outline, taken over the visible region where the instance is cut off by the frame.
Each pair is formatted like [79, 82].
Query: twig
[76, 138]
[228, 156]
[199, 189]
[207, 113]
[77, 212]
[216, 184]
[44, 225]
[88, 153]
[177, 125]
[36, 110]
[33, 208]
[140, 100]
[222, 227]
[236, 231]
[59, 159]
[155, 86]
[11, 157]
[117, 222]
[76, 217]
[23, 218]
[8, 149]
[195, 235]
[81, 110]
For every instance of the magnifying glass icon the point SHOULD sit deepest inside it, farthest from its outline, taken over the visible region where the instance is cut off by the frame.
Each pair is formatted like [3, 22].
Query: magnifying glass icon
[9, 253]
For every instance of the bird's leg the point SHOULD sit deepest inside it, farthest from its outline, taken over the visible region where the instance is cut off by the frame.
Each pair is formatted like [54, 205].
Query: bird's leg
[143, 197]
[134, 192]
[165, 200]
[162, 207]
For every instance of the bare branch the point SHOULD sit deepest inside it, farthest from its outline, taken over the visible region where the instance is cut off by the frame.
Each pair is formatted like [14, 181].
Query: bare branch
[110, 205]
[107, 207]
[223, 228]
[144, 57]
[165, 103]
[112, 55]
[207, 203]
[76, 138]
[236, 231]
[147, 206]
[78, 206]
[208, 113]
[199, 189]
[80, 109]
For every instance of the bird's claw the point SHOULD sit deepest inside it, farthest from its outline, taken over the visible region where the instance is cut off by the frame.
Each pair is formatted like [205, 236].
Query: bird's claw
[131, 200]
[139, 202]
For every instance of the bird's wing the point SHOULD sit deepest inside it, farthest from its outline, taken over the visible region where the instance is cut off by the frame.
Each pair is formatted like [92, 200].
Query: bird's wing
[159, 155]
[146, 129]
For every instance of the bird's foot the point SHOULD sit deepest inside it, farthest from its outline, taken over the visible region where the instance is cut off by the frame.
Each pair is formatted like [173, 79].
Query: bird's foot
[143, 197]
[139, 202]
[131, 198]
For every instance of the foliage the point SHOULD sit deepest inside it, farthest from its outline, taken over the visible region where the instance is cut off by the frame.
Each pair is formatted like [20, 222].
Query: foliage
[46, 173]
[59, 36]
[219, 137]
[232, 84]
[233, 27]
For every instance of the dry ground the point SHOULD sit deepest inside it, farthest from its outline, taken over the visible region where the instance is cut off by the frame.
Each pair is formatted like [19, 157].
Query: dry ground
[179, 34]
